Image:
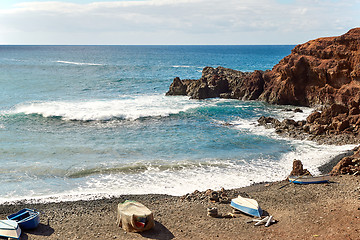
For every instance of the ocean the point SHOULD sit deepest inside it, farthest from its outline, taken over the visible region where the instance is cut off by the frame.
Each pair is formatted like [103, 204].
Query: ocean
[86, 122]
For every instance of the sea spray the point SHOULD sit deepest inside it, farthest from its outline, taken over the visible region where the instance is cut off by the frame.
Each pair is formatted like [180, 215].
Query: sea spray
[126, 107]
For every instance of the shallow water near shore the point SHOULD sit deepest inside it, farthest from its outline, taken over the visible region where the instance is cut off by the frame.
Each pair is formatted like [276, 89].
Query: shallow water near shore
[80, 122]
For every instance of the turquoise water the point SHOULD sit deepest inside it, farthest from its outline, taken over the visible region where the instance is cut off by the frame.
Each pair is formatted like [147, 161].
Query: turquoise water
[80, 122]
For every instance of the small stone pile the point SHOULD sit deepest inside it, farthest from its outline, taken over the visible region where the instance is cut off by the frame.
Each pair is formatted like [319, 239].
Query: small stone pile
[221, 196]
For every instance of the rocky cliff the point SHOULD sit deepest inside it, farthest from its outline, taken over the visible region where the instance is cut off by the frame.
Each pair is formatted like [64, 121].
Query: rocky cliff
[323, 71]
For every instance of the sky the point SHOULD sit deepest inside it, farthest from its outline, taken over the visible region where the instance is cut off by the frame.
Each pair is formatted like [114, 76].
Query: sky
[174, 22]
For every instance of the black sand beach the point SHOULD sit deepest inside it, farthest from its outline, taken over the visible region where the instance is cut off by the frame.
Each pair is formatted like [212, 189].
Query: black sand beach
[317, 211]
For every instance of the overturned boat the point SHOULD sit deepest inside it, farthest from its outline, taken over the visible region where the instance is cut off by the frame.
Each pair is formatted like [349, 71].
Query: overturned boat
[247, 205]
[9, 229]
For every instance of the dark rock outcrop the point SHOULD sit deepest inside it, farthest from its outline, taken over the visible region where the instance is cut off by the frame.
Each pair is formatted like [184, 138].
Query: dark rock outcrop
[220, 82]
[323, 71]
[336, 124]
[177, 87]
[216, 82]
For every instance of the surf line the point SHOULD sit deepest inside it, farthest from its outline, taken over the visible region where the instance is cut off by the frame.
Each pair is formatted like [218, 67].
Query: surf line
[79, 63]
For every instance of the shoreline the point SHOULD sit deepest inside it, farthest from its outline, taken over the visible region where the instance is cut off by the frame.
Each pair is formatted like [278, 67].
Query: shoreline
[323, 169]
[302, 211]
[315, 206]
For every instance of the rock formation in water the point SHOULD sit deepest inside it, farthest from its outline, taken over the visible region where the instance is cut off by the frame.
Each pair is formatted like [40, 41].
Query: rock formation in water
[323, 71]
[336, 124]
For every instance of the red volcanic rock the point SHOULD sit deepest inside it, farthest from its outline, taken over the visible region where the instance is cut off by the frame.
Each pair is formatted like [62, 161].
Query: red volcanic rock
[313, 116]
[335, 119]
[334, 125]
[298, 169]
[323, 71]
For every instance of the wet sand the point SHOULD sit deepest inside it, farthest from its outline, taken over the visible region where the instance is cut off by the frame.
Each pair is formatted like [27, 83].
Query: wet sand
[315, 211]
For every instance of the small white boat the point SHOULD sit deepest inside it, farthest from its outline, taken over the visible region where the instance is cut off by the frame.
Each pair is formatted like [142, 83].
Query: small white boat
[9, 229]
[309, 179]
[247, 205]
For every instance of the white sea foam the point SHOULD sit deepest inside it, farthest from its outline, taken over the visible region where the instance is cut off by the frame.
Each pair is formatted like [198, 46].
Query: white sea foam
[80, 63]
[210, 174]
[173, 182]
[251, 125]
[129, 108]
[310, 153]
[15, 60]
[181, 66]
[297, 116]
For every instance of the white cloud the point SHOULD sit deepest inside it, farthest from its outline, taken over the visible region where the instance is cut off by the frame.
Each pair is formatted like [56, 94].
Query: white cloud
[176, 21]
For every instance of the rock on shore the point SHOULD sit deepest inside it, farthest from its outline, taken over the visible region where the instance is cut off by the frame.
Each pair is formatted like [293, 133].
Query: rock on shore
[323, 71]
[349, 164]
[336, 124]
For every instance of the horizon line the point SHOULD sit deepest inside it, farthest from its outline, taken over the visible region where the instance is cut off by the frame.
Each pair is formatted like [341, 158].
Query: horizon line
[148, 44]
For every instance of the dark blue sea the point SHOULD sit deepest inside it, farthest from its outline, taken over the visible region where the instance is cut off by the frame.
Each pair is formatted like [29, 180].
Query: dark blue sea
[83, 122]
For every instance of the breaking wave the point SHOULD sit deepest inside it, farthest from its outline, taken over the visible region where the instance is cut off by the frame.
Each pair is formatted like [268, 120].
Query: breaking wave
[80, 63]
[127, 108]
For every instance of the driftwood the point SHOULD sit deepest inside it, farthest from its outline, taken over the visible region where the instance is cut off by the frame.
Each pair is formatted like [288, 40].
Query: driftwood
[268, 220]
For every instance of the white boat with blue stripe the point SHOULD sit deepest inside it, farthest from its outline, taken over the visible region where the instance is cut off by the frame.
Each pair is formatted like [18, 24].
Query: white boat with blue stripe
[309, 179]
[247, 206]
[9, 229]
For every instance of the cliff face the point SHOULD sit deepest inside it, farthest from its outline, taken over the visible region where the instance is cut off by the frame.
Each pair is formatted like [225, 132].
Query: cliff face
[323, 71]
[320, 72]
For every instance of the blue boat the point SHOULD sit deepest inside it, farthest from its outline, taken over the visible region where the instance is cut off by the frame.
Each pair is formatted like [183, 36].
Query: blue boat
[309, 179]
[247, 206]
[26, 218]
